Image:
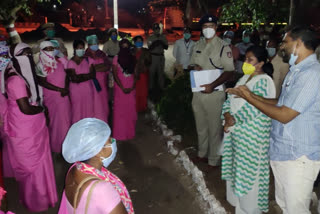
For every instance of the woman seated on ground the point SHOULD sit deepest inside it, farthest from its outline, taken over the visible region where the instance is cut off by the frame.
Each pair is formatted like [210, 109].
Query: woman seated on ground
[245, 162]
[89, 186]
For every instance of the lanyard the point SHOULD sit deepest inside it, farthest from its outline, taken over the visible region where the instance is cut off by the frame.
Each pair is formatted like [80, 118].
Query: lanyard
[187, 45]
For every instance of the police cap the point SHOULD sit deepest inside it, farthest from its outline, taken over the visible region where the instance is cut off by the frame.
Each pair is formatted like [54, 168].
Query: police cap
[155, 26]
[187, 30]
[208, 19]
[47, 25]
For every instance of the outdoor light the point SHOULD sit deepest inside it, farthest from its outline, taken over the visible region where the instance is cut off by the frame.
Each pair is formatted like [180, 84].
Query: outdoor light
[54, 6]
[115, 14]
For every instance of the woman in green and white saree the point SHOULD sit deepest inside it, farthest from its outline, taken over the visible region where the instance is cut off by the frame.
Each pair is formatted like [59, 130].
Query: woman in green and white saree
[245, 161]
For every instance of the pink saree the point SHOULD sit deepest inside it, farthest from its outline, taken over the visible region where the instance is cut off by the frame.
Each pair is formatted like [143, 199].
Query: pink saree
[29, 151]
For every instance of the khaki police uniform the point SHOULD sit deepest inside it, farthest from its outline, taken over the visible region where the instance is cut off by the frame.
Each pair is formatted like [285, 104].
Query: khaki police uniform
[280, 71]
[111, 48]
[158, 60]
[207, 107]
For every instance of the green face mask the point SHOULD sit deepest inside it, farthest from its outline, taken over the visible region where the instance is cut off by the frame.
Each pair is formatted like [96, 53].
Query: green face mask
[246, 39]
[51, 33]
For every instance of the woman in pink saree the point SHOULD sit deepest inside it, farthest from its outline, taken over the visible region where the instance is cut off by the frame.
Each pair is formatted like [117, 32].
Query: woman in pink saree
[28, 136]
[53, 78]
[81, 86]
[4, 62]
[98, 60]
[124, 108]
[90, 187]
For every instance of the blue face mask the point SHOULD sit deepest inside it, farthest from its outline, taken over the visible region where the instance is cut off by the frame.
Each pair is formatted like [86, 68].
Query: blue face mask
[187, 36]
[138, 44]
[56, 52]
[107, 161]
[114, 37]
[293, 58]
[94, 47]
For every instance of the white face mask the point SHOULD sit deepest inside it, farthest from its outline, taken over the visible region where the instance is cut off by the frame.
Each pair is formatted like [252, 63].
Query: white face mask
[80, 52]
[50, 53]
[208, 33]
[106, 161]
[271, 51]
[293, 57]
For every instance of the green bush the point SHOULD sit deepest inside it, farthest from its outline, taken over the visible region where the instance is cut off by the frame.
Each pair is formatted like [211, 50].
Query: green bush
[175, 107]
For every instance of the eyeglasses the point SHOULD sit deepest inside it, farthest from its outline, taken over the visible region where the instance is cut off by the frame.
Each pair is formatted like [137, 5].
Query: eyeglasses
[109, 145]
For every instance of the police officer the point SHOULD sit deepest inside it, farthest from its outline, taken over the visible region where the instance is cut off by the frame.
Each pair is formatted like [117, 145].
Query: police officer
[111, 47]
[157, 43]
[48, 30]
[210, 53]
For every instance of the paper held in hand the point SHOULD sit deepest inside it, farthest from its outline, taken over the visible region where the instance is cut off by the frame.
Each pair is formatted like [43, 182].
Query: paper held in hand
[203, 77]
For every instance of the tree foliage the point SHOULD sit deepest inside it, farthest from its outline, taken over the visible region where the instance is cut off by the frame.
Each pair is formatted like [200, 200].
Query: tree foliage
[175, 107]
[10, 8]
[255, 11]
[183, 5]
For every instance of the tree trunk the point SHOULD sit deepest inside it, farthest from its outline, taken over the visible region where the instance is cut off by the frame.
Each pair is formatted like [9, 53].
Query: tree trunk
[292, 11]
[106, 8]
[202, 4]
[187, 12]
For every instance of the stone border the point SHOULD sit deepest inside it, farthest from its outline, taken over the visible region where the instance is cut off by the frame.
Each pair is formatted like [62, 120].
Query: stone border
[213, 205]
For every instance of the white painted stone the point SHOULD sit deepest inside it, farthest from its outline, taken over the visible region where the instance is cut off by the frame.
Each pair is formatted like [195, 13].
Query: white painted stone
[167, 132]
[177, 138]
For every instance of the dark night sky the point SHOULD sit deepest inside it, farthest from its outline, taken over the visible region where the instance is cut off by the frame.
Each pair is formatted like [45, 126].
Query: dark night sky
[130, 5]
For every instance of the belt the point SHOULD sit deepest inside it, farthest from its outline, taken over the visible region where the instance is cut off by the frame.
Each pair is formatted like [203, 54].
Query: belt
[110, 56]
[155, 54]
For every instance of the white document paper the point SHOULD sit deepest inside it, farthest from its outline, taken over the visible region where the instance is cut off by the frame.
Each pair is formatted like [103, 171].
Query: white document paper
[203, 77]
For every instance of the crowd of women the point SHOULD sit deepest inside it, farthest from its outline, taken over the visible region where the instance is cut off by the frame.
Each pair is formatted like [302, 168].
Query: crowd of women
[40, 102]
[62, 105]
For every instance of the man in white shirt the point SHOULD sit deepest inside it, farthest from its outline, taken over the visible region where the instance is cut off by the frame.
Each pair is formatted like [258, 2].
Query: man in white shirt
[161, 27]
[280, 68]
[183, 48]
[243, 46]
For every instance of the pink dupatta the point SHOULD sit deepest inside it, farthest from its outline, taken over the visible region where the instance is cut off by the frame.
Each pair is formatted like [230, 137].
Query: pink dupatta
[108, 176]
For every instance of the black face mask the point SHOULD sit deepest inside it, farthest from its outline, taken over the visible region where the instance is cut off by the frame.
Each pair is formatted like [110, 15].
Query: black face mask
[126, 60]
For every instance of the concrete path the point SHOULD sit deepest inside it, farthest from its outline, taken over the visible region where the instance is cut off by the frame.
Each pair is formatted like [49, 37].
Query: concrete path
[156, 183]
